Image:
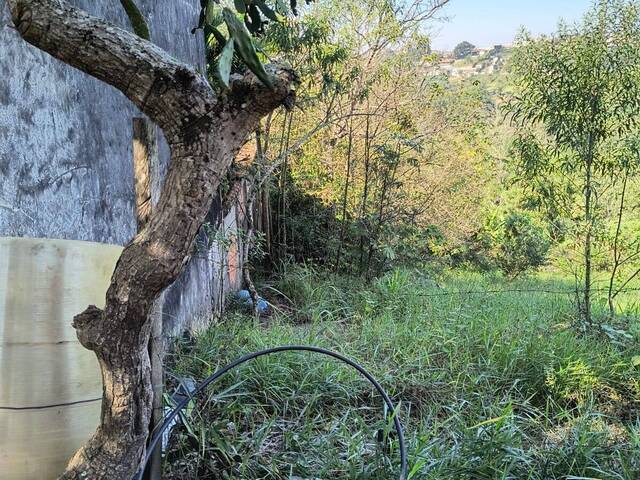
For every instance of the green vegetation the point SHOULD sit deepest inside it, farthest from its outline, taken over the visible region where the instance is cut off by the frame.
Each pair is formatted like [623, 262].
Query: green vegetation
[519, 242]
[463, 50]
[471, 236]
[386, 164]
[577, 101]
[531, 161]
[492, 386]
[137, 20]
[228, 30]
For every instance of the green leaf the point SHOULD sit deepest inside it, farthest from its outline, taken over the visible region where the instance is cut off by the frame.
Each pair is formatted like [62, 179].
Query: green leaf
[635, 361]
[136, 19]
[225, 61]
[241, 7]
[416, 468]
[488, 422]
[267, 11]
[244, 46]
[214, 14]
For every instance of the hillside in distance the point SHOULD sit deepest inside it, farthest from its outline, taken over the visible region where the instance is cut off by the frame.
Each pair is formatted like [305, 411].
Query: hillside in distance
[478, 61]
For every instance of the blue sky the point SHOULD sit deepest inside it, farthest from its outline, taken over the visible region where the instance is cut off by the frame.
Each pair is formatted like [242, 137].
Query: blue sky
[488, 22]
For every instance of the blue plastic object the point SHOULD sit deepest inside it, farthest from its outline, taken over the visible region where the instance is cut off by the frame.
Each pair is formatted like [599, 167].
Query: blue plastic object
[263, 306]
[244, 296]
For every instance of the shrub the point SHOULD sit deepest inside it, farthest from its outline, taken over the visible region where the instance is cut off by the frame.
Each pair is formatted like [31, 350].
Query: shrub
[522, 244]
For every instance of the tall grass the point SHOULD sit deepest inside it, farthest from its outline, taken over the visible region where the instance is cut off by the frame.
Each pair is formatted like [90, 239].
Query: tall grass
[491, 386]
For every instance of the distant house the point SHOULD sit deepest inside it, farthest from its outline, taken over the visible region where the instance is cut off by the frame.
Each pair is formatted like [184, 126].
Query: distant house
[480, 61]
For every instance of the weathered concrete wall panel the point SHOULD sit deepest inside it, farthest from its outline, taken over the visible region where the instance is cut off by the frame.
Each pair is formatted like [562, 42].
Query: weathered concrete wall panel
[198, 296]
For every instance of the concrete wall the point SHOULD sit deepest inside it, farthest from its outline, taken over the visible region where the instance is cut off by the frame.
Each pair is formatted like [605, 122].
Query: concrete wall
[66, 156]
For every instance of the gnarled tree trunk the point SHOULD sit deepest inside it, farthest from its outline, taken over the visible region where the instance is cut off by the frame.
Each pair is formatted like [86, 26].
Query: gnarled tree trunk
[204, 130]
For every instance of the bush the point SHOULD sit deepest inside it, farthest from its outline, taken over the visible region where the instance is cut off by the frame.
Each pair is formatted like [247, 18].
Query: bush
[520, 243]
[408, 245]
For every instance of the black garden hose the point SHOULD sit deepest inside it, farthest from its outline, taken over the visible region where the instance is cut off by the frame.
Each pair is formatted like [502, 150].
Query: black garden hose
[289, 348]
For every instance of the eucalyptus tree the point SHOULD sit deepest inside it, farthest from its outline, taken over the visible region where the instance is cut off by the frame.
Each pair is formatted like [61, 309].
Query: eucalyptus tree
[624, 243]
[577, 92]
[205, 124]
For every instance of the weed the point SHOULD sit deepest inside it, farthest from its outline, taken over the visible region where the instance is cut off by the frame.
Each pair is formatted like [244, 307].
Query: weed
[494, 386]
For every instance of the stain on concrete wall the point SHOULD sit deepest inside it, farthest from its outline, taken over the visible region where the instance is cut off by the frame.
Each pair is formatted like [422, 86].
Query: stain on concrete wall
[65, 152]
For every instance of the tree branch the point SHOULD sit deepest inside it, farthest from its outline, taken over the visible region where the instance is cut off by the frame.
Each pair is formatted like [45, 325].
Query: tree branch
[157, 83]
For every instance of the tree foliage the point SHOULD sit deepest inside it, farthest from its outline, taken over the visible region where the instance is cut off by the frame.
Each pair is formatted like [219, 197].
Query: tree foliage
[576, 102]
[230, 31]
[520, 243]
[464, 50]
[390, 178]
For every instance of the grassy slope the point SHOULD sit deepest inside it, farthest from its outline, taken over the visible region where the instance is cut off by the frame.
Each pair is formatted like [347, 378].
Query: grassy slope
[492, 386]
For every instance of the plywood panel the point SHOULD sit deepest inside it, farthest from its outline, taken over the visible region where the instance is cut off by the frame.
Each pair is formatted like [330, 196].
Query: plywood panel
[44, 283]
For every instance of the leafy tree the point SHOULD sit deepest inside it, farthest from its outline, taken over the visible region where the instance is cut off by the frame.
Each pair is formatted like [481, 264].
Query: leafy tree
[577, 93]
[522, 244]
[624, 243]
[362, 166]
[464, 50]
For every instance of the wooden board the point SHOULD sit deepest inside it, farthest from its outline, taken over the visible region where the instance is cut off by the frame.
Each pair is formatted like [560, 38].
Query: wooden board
[44, 283]
[46, 374]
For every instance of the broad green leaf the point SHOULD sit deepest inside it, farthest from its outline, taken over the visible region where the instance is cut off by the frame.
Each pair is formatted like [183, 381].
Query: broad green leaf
[224, 62]
[635, 361]
[281, 6]
[244, 46]
[138, 23]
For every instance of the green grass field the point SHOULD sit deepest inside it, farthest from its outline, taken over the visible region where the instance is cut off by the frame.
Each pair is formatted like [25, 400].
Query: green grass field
[491, 385]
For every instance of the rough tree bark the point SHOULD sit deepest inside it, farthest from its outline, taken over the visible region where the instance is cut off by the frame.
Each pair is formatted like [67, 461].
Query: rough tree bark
[146, 172]
[204, 130]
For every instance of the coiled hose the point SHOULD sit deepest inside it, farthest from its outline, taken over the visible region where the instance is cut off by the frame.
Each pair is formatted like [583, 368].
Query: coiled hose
[157, 436]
